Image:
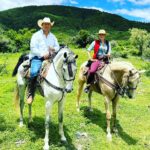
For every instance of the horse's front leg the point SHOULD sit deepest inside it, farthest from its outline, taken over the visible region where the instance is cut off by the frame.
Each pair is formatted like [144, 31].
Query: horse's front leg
[89, 100]
[79, 92]
[48, 107]
[60, 119]
[114, 114]
[108, 117]
[21, 89]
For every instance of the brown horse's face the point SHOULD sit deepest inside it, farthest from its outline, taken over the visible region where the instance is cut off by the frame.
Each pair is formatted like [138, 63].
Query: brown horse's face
[132, 82]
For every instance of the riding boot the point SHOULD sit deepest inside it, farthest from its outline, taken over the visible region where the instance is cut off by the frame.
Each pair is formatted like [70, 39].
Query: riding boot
[90, 80]
[31, 89]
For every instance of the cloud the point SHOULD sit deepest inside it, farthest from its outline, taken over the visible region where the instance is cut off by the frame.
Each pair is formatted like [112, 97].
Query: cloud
[139, 13]
[96, 8]
[140, 2]
[7, 4]
[73, 2]
[117, 1]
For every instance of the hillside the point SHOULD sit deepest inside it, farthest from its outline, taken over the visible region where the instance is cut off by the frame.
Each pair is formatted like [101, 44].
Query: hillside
[67, 18]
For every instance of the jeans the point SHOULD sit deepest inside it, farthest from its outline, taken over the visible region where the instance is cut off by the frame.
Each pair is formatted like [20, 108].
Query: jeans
[36, 64]
[94, 66]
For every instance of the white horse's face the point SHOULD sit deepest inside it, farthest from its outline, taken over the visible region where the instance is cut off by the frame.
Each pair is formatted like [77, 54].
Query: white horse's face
[132, 83]
[69, 70]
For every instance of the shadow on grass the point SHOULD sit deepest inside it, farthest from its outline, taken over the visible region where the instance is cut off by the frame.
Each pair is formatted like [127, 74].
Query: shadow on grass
[38, 127]
[99, 118]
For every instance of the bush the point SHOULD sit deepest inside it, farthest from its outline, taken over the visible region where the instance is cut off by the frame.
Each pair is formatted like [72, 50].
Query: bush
[82, 38]
[3, 69]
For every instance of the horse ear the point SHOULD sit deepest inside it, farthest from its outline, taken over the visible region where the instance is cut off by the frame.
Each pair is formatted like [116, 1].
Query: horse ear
[76, 56]
[65, 55]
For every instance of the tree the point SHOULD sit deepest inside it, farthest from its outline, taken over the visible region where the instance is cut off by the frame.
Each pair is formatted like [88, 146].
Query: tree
[139, 38]
[83, 38]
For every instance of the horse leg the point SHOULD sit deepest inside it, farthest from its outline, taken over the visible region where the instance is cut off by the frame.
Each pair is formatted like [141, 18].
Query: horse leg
[21, 89]
[30, 113]
[60, 119]
[114, 108]
[108, 117]
[48, 107]
[79, 92]
[89, 100]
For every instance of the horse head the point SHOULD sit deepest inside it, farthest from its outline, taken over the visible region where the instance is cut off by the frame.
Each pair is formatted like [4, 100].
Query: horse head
[130, 81]
[68, 67]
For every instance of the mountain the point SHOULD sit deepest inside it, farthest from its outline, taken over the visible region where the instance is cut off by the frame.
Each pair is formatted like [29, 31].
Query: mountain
[67, 19]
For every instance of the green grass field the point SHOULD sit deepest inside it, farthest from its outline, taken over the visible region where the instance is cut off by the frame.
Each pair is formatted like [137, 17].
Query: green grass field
[133, 117]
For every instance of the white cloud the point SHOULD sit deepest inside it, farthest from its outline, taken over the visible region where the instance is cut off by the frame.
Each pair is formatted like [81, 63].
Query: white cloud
[117, 1]
[140, 2]
[139, 13]
[96, 8]
[73, 2]
[7, 4]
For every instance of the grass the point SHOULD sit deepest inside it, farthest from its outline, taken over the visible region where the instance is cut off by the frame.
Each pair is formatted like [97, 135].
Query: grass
[133, 117]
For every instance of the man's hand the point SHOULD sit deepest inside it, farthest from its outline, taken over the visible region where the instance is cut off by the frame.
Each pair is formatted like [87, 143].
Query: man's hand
[108, 55]
[46, 56]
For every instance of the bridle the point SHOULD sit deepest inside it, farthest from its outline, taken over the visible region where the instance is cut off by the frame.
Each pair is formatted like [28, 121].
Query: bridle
[128, 88]
[121, 90]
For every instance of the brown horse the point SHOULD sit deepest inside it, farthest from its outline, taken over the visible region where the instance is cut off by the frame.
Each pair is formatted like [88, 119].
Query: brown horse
[115, 79]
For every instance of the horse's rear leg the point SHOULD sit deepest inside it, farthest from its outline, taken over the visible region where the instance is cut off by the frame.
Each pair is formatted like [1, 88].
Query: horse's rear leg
[21, 89]
[89, 100]
[108, 117]
[79, 92]
[114, 114]
[30, 113]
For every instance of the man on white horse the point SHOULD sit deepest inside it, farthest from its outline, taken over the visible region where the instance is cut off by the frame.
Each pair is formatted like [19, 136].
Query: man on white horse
[102, 50]
[43, 44]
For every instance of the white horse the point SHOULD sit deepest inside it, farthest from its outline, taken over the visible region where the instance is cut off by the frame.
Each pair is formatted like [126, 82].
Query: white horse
[57, 82]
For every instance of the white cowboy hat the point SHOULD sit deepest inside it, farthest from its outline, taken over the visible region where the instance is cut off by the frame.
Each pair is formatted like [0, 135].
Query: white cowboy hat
[45, 20]
[102, 31]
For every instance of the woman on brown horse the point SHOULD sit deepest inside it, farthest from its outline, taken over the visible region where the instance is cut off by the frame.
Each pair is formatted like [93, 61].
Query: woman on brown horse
[102, 48]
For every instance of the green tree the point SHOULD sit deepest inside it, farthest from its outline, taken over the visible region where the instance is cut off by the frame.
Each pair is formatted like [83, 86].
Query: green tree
[83, 38]
[139, 38]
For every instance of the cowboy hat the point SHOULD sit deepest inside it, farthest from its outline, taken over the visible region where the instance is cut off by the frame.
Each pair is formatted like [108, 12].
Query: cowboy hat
[45, 20]
[102, 31]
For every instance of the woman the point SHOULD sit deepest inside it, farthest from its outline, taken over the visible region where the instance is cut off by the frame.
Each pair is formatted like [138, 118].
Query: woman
[102, 48]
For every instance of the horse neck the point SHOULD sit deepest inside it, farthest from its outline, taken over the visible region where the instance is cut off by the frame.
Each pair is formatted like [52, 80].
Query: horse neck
[120, 70]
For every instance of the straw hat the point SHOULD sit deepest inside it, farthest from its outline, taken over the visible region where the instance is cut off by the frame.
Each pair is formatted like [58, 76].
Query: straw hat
[102, 31]
[45, 20]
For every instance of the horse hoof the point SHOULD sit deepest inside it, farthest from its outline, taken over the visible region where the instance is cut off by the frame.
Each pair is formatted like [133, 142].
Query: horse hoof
[90, 109]
[78, 109]
[115, 130]
[21, 124]
[64, 140]
[109, 137]
[46, 147]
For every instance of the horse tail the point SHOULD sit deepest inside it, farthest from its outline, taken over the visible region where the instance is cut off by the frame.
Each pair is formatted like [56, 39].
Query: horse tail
[21, 59]
[16, 97]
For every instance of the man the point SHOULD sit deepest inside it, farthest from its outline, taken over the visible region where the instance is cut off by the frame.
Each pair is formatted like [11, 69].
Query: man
[102, 49]
[42, 44]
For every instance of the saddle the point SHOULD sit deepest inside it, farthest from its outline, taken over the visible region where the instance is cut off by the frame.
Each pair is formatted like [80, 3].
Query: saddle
[43, 70]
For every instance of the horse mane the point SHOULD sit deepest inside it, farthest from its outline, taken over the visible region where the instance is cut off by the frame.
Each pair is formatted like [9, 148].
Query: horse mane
[121, 66]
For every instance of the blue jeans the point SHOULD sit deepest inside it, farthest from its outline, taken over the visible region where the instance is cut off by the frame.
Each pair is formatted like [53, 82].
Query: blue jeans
[36, 64]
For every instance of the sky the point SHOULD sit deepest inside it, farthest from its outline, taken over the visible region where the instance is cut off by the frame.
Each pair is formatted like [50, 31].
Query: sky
[137, 10]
